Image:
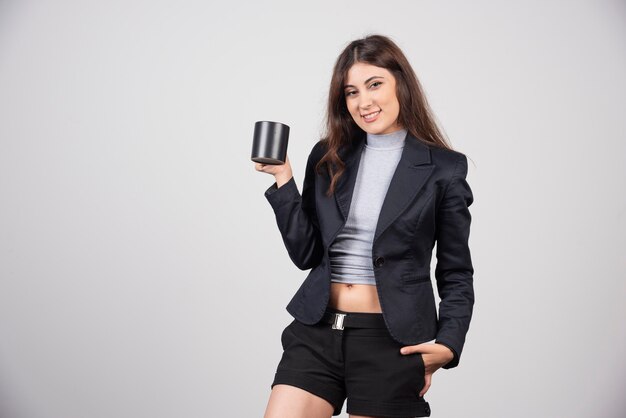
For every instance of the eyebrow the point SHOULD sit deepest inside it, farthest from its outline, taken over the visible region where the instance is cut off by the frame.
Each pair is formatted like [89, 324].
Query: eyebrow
[366, 81]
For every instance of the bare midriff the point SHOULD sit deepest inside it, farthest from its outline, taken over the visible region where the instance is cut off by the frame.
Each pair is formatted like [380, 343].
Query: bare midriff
[354, 297]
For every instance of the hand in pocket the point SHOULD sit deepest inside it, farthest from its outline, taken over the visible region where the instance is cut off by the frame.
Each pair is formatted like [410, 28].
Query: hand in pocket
[434, 356]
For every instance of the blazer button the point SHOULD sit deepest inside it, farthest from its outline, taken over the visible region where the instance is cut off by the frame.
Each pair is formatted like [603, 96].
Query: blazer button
[379, 261]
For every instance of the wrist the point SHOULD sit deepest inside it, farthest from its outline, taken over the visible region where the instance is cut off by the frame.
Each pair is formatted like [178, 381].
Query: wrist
[449, 351]
[282, 179]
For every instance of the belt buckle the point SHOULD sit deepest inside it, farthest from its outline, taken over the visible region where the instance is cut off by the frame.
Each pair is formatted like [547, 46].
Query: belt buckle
[338, 324]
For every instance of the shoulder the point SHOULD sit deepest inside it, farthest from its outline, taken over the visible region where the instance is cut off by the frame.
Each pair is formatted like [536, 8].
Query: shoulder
[449, 161]
[445, 157]
[318, 150]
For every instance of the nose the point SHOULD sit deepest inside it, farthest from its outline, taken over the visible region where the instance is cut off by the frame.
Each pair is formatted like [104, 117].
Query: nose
[366, 102]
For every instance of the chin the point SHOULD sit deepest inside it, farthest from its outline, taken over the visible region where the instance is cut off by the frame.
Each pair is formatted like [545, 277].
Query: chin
[373, 131]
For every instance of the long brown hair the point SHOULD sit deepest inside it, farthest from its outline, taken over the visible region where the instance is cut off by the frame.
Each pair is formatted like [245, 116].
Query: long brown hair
[415, 113]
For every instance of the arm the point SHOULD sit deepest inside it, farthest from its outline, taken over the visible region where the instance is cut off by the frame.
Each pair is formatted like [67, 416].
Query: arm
[454, 271]
[296, 217]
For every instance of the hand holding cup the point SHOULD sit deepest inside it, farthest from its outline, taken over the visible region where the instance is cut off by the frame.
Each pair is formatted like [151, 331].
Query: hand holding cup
[282, 173]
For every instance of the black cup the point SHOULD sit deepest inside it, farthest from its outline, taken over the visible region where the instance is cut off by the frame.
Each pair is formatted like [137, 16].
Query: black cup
[270, 142]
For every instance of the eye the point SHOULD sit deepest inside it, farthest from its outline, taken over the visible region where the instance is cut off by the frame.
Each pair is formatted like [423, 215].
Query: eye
[348, 93]
[376, 83]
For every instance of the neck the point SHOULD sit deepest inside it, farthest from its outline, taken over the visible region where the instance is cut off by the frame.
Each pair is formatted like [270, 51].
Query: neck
[391, 140]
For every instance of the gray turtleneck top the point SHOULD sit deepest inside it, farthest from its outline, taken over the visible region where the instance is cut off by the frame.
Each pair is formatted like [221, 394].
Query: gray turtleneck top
[351, 252]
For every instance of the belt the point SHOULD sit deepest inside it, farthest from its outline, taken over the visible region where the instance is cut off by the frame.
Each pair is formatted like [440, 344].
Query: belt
[341, 320]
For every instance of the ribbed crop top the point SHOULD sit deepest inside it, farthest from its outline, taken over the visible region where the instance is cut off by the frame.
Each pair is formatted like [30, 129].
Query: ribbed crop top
[351, 252]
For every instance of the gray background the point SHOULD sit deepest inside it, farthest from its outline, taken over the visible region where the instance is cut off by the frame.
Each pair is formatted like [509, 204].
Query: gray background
[141, 270]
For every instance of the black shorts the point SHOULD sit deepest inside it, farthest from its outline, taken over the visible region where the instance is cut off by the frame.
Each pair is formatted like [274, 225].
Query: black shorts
[362, 363]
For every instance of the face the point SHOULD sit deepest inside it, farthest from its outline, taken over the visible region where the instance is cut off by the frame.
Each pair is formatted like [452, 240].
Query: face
[371, 99]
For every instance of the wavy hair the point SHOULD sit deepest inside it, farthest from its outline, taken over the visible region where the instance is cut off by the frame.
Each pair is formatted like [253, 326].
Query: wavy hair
[415, 113]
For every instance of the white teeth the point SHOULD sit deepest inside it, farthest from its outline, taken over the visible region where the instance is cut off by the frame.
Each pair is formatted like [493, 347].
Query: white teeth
[371, 115]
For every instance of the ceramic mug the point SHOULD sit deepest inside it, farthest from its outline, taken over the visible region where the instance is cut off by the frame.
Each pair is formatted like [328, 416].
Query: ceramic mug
[269, 145]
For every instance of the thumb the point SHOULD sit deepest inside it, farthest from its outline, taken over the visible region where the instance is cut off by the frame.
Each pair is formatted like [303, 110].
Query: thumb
[418, 348]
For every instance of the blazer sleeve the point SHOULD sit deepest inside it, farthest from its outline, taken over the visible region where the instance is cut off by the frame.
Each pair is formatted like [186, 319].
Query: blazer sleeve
[454, 271]
[297, 218]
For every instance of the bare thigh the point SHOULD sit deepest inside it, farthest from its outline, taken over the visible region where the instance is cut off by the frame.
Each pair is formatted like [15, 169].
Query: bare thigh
[288, 401]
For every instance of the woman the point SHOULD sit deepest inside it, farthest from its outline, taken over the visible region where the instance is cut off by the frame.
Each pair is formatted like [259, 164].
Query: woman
[379, 191]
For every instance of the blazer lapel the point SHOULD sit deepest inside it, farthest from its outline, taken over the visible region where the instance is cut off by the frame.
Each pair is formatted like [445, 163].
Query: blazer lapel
[413, 169]
[345, 186]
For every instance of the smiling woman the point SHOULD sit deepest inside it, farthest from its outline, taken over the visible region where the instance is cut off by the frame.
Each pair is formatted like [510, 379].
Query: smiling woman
[371, 99]
[379, 190]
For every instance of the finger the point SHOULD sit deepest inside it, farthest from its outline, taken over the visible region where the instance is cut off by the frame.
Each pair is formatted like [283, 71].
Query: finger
[426, 361]
[410, 349]
[427, 381]
[431, 364]
[424, 348]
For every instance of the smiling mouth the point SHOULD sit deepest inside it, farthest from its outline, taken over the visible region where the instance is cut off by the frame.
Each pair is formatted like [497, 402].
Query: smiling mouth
[371, 116]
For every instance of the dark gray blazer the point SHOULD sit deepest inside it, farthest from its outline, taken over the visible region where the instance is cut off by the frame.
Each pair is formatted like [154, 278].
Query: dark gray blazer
[427, 202]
